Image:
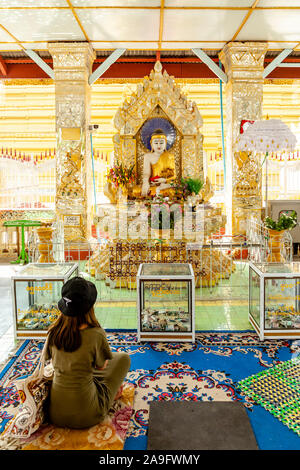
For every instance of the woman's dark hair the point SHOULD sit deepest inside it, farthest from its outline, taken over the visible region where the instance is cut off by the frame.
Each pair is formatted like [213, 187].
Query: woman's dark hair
[65, 332]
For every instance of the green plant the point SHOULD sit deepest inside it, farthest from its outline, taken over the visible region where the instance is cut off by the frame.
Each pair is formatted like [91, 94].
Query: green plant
[188, 186]
[194, 185]
[284, 222]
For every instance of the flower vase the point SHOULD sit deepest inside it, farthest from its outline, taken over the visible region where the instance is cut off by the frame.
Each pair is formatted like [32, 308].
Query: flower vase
[275, 244]
[123, 192]
[110, 191]
[192, 200]
[45, 244]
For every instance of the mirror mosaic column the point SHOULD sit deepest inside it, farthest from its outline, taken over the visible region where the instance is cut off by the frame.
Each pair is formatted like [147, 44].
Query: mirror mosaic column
[72, 63]
[244, 65]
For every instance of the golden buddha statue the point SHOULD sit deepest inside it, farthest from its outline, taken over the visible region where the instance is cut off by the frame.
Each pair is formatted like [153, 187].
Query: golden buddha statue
[159, 169]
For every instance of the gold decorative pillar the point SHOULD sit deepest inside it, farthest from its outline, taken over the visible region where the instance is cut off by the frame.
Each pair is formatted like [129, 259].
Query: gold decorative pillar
[244, 65]
[72, 64]
[192, 163]
[128, 150]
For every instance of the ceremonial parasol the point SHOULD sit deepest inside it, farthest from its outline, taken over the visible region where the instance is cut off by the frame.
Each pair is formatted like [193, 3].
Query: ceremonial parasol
[270, 135]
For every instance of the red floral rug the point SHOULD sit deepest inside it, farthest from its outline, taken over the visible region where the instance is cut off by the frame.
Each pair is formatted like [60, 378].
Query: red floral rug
[109, 435]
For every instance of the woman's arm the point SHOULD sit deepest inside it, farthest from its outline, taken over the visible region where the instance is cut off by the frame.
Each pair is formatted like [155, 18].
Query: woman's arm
[102, 352]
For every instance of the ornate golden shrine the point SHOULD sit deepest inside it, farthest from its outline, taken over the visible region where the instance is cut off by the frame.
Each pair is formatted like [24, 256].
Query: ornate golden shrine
[159, 96]
[117, 262]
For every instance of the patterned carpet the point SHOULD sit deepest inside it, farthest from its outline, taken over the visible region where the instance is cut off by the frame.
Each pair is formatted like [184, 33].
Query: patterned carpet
[206, 370]
[110, 434]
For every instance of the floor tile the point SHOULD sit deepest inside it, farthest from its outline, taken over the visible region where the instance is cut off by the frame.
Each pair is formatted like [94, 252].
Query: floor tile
[223, 307]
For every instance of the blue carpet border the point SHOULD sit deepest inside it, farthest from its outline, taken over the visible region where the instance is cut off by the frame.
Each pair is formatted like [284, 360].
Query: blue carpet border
[14, 358]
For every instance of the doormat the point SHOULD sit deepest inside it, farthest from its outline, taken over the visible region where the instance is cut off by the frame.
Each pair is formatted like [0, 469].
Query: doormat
[199, 426]
[278, 391]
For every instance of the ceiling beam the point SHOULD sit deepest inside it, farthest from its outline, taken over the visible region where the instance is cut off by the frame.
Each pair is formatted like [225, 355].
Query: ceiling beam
[105, 65]
[124, 71]
[3, 67]
[276, 62]
[144, 7]
[161, 23]
[211, 64]
[39, 61]
[250, 11]
[136, 60]
[295, 47]
[78, 20]
[289, 64]
[12, 36]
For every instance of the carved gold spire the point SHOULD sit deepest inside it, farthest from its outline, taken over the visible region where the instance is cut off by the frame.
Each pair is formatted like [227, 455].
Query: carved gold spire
[160, 90]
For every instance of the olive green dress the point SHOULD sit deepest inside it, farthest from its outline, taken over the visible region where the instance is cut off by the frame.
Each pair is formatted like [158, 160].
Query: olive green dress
[80, 395]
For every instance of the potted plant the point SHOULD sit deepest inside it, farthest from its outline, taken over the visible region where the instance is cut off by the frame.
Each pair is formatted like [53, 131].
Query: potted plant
[276, 230]
[188, 188]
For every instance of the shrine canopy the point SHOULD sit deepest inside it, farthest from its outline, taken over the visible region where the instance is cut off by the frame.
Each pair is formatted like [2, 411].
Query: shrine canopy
[175, 29]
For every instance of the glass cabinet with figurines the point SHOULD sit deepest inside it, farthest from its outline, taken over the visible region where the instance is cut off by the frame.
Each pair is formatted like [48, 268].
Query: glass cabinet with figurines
[36, 289]
[166, 302]
[274, 299]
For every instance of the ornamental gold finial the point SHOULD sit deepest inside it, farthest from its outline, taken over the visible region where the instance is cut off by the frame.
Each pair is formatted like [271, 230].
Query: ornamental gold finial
[158, 67]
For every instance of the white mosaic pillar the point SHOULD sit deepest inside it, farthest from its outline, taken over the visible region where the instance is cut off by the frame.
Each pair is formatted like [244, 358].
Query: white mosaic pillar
[244, 65]
[72, 64]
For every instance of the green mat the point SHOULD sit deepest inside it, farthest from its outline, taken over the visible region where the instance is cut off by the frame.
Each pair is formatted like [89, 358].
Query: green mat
[278, 391]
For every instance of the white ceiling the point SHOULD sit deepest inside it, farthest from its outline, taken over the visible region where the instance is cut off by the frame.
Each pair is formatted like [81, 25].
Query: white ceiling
[149, 24]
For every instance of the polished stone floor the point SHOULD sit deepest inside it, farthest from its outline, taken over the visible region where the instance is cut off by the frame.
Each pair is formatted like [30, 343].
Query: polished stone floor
[224, 307]
[7, 341]
[214, 315]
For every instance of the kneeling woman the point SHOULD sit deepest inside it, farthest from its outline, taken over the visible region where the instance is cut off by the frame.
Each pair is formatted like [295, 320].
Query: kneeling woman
[87, 375]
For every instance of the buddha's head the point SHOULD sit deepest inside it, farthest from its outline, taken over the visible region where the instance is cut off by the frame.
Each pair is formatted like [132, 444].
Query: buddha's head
[158, 141]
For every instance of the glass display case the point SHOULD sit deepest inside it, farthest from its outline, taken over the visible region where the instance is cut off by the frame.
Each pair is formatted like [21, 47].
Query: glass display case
[35, 293]
[166, 302]
[274, 299]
